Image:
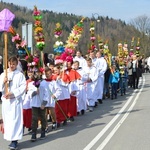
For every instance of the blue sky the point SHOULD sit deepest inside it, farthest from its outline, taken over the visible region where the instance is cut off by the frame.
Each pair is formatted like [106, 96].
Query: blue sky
[117, 9]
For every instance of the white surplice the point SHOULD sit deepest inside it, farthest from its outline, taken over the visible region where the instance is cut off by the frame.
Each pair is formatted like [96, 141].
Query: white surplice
[91, 73]
[65, 94]
[42, 95]
[52, 89]
[81, 94]
[101, 66]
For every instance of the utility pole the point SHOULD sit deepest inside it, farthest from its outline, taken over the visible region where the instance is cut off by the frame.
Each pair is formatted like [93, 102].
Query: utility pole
[27, 35]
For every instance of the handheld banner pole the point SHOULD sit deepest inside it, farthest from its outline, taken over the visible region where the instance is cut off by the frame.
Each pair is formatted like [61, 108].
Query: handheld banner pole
[6, 18]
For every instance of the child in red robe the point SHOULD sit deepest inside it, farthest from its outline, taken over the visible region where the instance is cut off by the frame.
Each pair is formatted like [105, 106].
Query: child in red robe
[27, 111]
[61, 106]
[74, 76]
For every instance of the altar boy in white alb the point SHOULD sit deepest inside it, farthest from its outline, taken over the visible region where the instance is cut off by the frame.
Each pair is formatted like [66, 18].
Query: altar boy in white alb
[101, 66]
[12, 113]
[39, 98]
[90, 77]
[81, 94]
[54, 92]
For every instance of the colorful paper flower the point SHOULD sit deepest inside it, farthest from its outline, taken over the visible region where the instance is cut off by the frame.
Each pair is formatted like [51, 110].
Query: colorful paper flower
[41, 69]
[33, 63]
[69, 58]
[20, 44]
[37, 82]
[58, 30]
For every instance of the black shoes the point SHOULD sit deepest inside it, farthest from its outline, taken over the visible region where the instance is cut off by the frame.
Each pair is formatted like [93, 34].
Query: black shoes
[42, 137]
[104, 96]
[82, 112]
[33, 137]
[13, 145]
[47, 129]
[96, 104]
[100, 101]
[54, 126]
[71, 118]
[113, 98]
[29, 129]
[64, 122]
[58, 125]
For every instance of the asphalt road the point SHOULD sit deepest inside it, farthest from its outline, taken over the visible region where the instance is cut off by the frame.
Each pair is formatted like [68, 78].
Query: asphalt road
[120, 124]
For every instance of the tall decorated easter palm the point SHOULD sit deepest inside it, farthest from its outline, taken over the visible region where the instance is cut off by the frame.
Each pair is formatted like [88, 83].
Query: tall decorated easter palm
[6, 18]
[38, 32]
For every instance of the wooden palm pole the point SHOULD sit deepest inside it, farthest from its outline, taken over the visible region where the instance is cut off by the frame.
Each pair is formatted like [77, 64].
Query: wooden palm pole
[5, 58]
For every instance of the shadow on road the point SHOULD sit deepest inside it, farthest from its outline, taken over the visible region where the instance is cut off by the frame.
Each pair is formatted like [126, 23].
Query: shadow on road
[88, 120]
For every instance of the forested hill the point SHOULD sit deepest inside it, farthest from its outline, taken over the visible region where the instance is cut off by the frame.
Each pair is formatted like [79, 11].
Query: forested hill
[114, 31]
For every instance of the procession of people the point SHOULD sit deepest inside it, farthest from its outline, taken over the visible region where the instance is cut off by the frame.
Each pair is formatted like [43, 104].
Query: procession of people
[40, 88]
[61, 93]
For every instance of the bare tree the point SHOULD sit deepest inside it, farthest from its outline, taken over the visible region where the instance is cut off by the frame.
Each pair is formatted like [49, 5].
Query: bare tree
[141, 23]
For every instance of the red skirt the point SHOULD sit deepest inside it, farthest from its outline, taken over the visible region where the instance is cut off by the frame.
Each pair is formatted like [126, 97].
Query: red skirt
[1, 126]
[27, 117]
[72, 106]
[61, 109]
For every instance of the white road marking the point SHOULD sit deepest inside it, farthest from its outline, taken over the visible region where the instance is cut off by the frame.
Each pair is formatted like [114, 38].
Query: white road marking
[92, 143]
[103, 144]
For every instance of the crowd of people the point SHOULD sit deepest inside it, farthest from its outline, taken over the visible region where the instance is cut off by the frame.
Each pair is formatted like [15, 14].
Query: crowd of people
[60, 92]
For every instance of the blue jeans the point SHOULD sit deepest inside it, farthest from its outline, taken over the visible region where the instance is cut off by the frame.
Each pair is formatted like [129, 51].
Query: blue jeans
[123, 85]
[114, 89]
